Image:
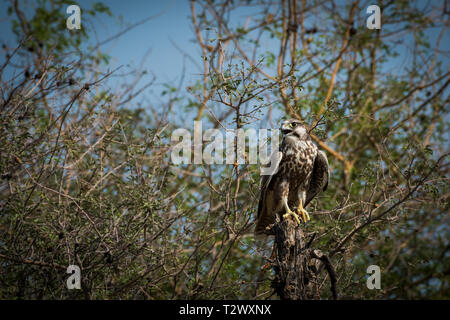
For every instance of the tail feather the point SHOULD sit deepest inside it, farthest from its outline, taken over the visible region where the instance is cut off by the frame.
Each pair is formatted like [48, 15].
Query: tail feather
[263, 222]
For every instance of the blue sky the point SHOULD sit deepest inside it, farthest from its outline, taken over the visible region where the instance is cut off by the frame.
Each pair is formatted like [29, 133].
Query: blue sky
[154, 39]
[171, 23]
[169, 28]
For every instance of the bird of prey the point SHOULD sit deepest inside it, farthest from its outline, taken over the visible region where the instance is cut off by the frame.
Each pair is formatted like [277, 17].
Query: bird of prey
[301, 172]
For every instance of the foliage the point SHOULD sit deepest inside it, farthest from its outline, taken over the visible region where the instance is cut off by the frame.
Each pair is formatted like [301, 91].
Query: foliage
[86, 176]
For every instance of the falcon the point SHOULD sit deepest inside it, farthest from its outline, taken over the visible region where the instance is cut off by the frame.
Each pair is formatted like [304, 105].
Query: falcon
[300, 173]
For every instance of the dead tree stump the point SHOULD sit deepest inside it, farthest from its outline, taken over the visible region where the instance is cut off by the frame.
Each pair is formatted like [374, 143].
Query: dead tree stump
[296, 265]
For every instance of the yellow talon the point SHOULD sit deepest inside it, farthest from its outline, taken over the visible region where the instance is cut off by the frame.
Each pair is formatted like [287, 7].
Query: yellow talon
[304, 214]
[291, 213]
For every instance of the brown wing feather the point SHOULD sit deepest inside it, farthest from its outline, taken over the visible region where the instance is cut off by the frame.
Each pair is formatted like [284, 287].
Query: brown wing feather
[319, 177]
[266, 199]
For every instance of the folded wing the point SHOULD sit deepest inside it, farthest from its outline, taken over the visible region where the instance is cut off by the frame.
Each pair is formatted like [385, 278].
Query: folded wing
[266, 199]
[319, 177]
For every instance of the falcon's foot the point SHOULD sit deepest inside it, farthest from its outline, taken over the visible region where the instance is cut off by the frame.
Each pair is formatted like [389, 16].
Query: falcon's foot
[292, 213]
[303, 213]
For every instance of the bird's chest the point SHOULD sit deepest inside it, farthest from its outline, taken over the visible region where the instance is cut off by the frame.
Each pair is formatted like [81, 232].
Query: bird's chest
[297, 163]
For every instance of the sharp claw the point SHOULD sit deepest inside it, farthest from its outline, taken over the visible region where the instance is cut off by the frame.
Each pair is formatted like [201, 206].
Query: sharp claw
[304, 214]
[296, 218]
[307, 216]
[289, 213]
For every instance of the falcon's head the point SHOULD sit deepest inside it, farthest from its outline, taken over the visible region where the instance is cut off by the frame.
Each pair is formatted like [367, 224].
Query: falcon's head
[295, 129]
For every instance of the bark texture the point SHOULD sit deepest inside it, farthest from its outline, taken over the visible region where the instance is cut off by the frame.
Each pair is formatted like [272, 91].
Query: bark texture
[296, 265]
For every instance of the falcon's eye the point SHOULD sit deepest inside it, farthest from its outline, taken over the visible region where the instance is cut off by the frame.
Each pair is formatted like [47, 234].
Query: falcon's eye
[293, 124]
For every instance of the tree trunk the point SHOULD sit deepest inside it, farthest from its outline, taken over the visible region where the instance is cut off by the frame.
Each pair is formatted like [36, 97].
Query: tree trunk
[296, 265]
